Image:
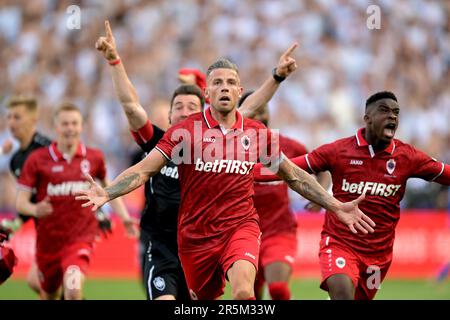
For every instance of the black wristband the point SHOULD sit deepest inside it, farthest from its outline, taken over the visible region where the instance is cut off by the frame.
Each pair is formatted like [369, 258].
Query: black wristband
[277, 77]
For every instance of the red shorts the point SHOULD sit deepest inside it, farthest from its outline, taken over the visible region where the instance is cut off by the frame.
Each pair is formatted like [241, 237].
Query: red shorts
[366, 272]
[51, 268]
[280, 247]
[206, 270]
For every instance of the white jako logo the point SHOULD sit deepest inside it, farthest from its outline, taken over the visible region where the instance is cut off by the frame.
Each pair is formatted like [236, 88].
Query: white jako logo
[159, 283]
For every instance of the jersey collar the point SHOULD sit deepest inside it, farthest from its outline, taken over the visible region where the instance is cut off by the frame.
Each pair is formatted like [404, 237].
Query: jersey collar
[57, 155]
[212, 123]
[361, 141]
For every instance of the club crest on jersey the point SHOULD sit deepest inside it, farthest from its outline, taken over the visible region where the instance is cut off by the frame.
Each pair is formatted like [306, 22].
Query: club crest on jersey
[245, 140]
[340, 262]
[159, 283]
[85, 166]
[390, 166]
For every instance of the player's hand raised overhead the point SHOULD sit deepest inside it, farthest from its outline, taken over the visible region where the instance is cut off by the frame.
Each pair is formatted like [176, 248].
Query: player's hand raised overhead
[287, 64]
[107, 44]
[96, 195]
[354, 218]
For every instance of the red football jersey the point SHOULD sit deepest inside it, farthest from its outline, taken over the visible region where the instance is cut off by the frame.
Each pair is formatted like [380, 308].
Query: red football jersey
[51, 175]
[272, 198]
[215, 175]
[355, 169]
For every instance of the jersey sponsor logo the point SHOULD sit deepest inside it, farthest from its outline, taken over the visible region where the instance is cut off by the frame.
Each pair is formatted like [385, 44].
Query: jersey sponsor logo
[171, 172]
[227, 166]
[57, 168]
[356, 162]
[372, 188]
[66, 188]
[390, 166]
[159, 283]
[340, 262]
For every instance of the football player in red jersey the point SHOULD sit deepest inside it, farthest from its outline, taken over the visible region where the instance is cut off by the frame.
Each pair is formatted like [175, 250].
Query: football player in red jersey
[161, 264]
[277, 222]
[374, 163]
[65, 232]
[218, 235]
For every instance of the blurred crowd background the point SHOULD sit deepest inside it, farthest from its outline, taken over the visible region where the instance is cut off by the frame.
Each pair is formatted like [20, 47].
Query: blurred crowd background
[341, 62]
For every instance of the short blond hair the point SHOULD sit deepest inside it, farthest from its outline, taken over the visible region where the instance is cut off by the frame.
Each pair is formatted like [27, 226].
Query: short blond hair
[29, 102]
[66, 106]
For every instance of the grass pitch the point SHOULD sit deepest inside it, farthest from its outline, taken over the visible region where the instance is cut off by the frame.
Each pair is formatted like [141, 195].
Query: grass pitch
[302, 289]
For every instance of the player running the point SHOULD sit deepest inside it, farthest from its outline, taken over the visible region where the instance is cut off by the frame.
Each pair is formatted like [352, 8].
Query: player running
[65, 232]
[373, 163]
[163, 275]
[218, 231]
[22, 118]
[277, 222]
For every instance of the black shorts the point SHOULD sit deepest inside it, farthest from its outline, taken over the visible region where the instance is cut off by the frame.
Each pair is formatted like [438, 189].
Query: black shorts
[161, 267]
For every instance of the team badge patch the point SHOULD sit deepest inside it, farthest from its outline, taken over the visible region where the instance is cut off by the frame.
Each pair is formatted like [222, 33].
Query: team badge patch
[85, 166]
[159, 283]
[390, 166]
[245, 140]
[340, 262]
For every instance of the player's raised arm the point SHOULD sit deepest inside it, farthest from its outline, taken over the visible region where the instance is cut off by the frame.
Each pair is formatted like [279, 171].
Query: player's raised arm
[286, 65]
[304, 184]
[126, 182]
[125, 91]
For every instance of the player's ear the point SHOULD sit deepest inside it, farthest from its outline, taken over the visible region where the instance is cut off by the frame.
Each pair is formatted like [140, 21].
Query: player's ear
[206, 92]
[366, 118]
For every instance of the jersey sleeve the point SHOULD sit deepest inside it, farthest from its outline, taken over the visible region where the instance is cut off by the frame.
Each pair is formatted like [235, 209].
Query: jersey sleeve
[444, 178]
[321, 159]
[29, 175]
[425, 167]
[171, 139]
[148, 136]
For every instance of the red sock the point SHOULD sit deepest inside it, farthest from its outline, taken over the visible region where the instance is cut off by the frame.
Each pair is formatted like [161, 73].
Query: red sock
[251, 298]
[279, 291]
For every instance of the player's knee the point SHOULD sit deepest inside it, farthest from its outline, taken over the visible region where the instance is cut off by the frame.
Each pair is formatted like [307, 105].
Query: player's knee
[242, 292]
[33, 283]
[279, 291]
[341, 293]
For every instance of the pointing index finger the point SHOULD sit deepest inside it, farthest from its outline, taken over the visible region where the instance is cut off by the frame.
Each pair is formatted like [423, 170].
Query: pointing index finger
[290, 50]
[108, 30]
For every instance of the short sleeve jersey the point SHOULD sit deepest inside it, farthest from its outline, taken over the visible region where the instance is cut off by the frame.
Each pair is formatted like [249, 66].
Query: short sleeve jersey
[215, 171]
[357, 169]
[48, 172]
